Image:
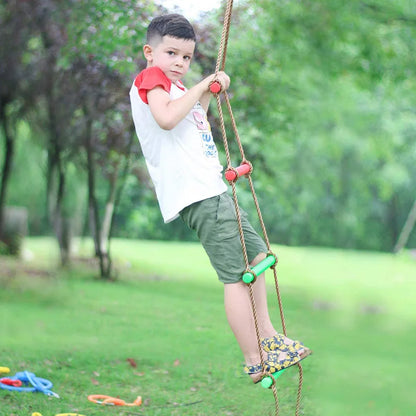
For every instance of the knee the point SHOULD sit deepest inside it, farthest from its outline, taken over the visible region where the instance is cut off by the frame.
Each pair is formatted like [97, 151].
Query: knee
[258, 259]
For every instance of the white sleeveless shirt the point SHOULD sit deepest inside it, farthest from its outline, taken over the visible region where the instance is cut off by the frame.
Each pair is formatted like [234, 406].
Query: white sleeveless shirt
[183, 162]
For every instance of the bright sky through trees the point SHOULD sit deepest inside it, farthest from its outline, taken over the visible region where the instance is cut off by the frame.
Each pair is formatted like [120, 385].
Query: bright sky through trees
[191, 9]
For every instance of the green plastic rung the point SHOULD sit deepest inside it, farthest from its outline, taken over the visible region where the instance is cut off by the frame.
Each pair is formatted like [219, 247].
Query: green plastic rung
[259, 268]
[267, 381]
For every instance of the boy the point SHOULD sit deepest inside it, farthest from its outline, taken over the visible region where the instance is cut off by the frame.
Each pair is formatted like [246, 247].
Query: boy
[183, 164]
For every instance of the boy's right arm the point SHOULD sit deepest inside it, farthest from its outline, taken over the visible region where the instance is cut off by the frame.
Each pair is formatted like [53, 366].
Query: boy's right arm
[168, 113]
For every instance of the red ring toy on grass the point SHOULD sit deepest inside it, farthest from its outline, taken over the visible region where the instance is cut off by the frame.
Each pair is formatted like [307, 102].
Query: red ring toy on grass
[112, 401]
[11, 382]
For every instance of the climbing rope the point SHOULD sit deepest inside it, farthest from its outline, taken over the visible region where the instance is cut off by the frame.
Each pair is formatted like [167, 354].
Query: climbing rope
[232, 174]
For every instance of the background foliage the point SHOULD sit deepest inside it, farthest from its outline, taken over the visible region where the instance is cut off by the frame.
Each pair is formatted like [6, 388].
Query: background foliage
[323, 93]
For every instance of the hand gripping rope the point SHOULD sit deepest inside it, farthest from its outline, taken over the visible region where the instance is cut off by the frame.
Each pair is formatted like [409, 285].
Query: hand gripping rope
[232, 175]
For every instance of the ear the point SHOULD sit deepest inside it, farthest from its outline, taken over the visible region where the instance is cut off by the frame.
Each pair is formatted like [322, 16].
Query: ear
[148, 53]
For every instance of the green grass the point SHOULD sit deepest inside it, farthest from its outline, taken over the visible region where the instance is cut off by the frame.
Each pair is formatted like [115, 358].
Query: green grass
[165, 311]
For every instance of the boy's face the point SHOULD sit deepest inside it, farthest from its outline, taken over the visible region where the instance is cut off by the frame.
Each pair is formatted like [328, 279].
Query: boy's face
[172, 55]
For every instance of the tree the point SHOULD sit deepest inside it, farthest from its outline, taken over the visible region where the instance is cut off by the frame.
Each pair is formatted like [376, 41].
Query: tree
[318, 92]
[108, 136]
[407, 229]
[83, 118]
[107, 144]
[15, 35]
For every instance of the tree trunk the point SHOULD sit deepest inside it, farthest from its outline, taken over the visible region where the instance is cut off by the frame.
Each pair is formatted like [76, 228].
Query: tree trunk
[9, 148]
[109, 211]
[103, 258]
[56, 169]
[407, 229]
[119, 190]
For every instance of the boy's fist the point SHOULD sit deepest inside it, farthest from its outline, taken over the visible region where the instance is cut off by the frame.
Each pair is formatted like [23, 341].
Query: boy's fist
[221, 82]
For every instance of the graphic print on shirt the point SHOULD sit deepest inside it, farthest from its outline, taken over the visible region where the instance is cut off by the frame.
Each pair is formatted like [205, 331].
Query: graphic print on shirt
[208, 145]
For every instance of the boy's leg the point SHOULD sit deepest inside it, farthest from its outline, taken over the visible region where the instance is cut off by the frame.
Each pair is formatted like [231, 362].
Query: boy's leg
[260, 298]
[240, 316]
[266, 328]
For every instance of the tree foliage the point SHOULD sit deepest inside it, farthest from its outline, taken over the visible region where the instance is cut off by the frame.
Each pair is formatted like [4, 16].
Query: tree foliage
[80, 111]
[323, 93]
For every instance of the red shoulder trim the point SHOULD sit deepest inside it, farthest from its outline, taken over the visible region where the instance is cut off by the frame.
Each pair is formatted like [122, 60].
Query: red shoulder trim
[150, 78]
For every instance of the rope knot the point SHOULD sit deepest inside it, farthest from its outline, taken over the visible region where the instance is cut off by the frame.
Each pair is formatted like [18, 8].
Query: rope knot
[232, 174]
[270, 253]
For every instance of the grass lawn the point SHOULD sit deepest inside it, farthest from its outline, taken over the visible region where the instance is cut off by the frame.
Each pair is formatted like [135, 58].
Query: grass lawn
[160, 332]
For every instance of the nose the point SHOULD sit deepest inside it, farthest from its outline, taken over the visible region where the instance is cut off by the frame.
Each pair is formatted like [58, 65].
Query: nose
[180, 61]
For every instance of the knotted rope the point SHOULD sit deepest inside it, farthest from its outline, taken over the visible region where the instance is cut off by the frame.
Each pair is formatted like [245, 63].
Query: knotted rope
[220, 65]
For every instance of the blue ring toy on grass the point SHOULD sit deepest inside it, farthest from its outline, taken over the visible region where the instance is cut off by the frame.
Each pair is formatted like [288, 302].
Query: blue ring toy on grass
[37, 383]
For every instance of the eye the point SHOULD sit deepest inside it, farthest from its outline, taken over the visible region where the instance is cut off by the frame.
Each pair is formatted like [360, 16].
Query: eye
[187, 58]
[171, 53]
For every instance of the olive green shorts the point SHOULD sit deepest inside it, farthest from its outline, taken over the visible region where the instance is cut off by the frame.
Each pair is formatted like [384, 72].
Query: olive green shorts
[215, 222]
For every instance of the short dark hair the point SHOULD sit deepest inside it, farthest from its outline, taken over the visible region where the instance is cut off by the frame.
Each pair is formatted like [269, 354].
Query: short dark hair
[174, 25]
